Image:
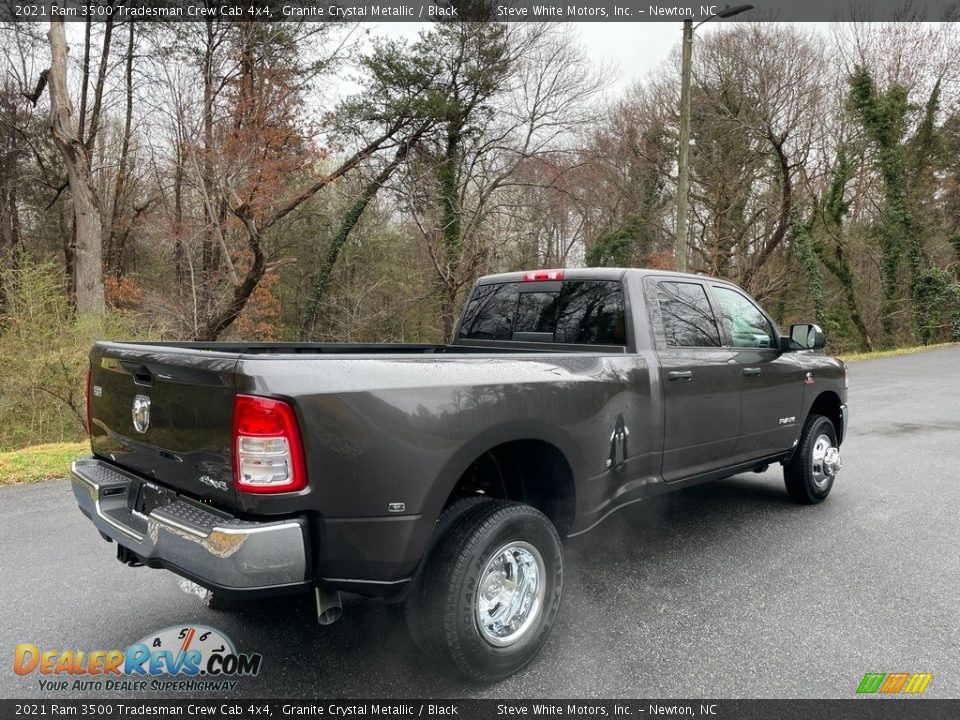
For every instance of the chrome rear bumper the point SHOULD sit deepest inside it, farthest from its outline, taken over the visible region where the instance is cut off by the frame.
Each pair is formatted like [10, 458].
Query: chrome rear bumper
[206, 545]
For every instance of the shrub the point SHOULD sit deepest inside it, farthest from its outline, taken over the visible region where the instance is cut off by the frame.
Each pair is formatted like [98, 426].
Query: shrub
[43, 356]
[938, 305]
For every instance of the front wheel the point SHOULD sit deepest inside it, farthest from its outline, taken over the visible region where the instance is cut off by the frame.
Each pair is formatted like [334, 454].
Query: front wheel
[492, 589]
[811, 471]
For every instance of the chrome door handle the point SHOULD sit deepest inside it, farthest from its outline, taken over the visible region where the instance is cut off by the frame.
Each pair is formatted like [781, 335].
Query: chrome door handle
[751, 372]
[680, 375]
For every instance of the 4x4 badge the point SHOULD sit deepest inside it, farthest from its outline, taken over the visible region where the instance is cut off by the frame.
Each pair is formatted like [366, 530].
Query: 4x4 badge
[220, 485]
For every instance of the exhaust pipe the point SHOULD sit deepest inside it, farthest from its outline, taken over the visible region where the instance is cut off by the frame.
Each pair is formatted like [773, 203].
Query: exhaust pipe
[329, 607]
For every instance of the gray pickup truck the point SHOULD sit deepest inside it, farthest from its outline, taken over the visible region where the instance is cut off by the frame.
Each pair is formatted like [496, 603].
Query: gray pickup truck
[444, 477]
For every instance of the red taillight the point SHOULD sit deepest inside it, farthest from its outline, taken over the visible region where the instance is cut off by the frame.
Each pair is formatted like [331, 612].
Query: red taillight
[267, 449]
[89, 420]
[540, 275]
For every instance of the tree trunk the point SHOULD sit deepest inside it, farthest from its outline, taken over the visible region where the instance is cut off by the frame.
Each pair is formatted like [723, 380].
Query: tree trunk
[178, 251]
[114, 246]
[11, 185]
[448, 310]
[89, 232]
[846, 281]
[806, 254]
[783, 221]
[839, 267]
[450, 227]
[68, 242]
[94, 128]
[84, 79]
[216, 324]
[208, 255]
[449, 186]
[9, 215]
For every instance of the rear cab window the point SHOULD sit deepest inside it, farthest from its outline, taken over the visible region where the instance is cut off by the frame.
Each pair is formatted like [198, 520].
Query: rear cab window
[686, 315]
[579, 312]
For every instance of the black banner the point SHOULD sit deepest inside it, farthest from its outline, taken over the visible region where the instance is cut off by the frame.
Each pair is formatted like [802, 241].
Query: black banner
[478, 10]
[853, 709]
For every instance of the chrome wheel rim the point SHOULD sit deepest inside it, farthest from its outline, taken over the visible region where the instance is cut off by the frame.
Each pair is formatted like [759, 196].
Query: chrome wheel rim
[825, 461]
[510, 592]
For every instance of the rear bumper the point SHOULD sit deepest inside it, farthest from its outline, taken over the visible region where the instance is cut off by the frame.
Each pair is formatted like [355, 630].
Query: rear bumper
[210, 547]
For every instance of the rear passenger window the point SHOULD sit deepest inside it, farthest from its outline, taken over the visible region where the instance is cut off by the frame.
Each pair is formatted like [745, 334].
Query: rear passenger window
[688, 320]
[490, 312]
[585, 312]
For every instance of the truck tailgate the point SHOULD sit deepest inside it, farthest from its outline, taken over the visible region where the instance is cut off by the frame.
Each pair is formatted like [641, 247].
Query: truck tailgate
[166, 413]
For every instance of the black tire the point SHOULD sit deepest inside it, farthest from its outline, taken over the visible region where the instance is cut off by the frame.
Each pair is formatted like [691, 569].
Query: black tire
[804, 485]
[450, 588]
[414, 610]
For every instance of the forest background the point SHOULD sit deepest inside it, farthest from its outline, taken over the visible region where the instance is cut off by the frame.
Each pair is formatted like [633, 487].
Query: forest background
[196, 181]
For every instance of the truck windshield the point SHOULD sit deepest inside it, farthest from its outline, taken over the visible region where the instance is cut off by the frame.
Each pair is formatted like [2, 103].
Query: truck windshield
[587, 312]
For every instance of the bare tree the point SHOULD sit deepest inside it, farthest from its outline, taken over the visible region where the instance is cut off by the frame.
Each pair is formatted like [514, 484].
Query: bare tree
[763, 89]
[505, 95]
[86, 205]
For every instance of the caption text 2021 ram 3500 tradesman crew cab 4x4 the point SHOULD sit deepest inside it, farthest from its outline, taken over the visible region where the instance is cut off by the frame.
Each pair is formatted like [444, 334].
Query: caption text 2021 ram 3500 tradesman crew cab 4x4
[445, 476]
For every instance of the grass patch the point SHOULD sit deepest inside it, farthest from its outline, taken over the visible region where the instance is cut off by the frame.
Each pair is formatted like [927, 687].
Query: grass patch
[39, 462]
[853, 357]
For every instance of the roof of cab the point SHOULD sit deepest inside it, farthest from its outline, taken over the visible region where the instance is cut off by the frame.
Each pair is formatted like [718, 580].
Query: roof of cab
[597, 273]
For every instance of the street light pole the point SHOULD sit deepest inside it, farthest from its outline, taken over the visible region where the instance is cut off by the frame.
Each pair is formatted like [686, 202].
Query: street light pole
[683, 159]
[683, 182]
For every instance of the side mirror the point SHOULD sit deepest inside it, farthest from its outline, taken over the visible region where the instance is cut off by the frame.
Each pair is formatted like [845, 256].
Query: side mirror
[807, 336]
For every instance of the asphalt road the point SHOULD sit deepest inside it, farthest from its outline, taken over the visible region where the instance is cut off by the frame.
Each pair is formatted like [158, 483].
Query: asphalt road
[726, 590]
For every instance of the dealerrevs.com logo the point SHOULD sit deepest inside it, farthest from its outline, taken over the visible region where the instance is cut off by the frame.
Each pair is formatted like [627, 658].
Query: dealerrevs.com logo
[178, 659]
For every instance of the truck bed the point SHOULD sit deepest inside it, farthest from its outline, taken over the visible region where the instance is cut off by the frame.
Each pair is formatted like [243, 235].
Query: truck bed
[342, 393]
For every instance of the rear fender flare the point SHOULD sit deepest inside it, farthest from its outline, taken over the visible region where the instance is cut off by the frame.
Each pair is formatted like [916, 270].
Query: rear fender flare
[490, 438]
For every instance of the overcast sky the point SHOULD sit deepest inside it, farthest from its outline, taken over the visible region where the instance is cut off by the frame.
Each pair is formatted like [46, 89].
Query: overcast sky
[634, 48]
